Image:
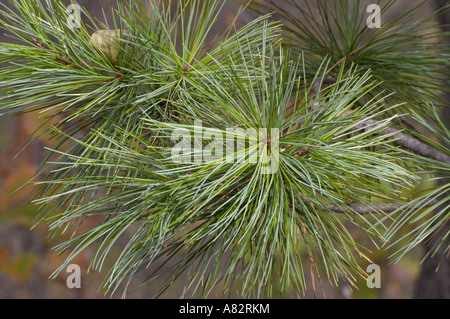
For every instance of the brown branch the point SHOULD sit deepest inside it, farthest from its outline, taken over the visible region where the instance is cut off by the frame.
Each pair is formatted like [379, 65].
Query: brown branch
[374, 208]
[379, 208]
[345, 57]
[323, 79]
[408, 142]
[400, 138]
[60, 58]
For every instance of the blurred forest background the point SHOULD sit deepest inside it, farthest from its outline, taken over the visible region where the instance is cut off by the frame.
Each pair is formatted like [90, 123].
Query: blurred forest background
[26, 258]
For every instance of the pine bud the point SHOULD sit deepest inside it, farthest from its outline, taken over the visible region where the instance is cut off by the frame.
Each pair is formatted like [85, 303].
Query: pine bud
[107, 42]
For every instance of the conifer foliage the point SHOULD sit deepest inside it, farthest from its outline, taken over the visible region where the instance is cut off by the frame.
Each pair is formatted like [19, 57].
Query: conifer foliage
[243, 165]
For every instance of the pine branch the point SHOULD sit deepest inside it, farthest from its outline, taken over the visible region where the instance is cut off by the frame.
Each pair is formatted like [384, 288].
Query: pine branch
[401, 139]
[379, 208]
[61, 59]
[229, 216]
[408, 142]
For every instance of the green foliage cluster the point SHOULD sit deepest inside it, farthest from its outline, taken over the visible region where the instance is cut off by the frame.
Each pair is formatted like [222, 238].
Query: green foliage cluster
[224, 222]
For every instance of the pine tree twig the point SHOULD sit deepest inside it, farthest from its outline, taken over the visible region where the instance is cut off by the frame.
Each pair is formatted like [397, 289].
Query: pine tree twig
[342, 59]
[61, 59]
[324, 79]
[408, 142]
[379, 208]
[374, 208]
[400, 138]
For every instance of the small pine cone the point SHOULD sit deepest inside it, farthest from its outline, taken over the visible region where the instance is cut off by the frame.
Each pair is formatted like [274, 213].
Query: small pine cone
[106, 41]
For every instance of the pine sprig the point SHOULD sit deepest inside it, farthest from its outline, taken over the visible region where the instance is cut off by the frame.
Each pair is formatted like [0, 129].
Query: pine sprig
[427, 222]
[143, 141]
[232, 216]
[408, 54]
